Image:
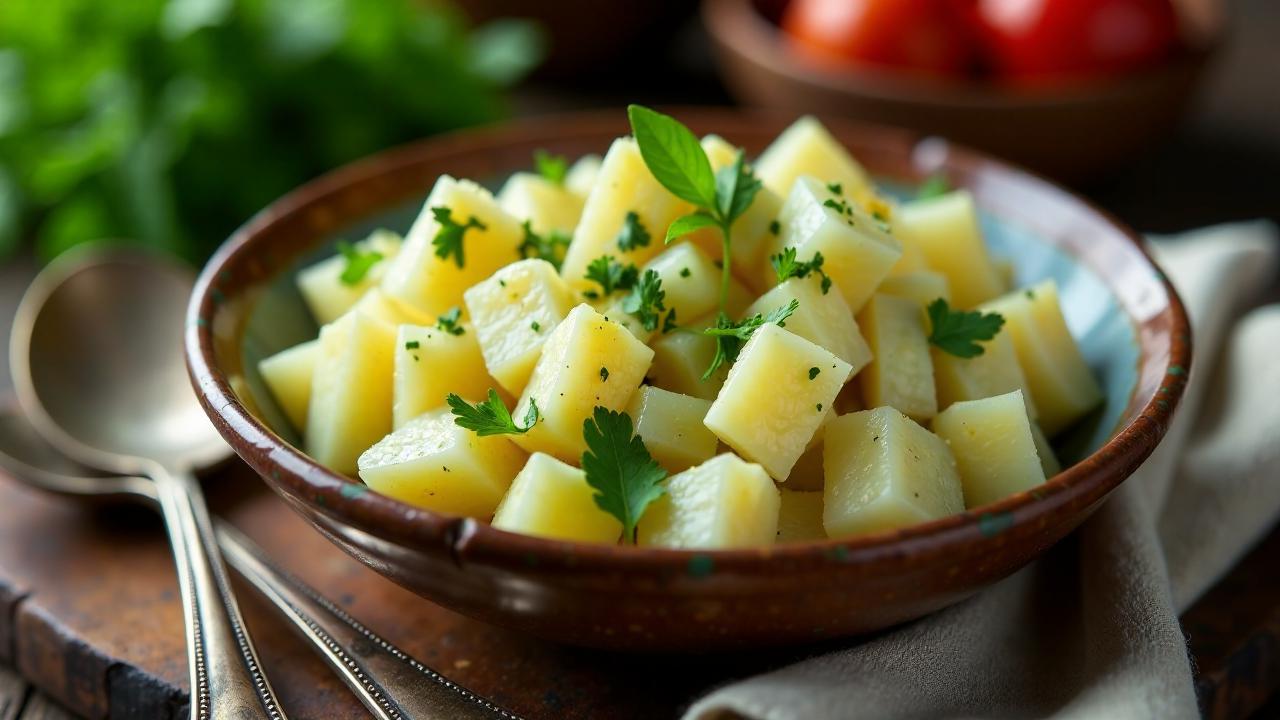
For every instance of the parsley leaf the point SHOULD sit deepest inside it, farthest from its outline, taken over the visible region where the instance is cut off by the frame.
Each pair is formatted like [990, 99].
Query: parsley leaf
[669, 323]
[359, 263]
[448, 239]
[958, 331]
[731, 336]
[550, 247]
[936, 185]
[551, 167]
[610, 275]
[689, 224]
[619, 468]
[674, 156]
[449, 322]
[490, 417]
[632, 235]
[786, 266]
[646, 300]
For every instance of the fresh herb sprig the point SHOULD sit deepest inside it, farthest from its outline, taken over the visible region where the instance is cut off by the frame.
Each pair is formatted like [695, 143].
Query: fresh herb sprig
[491, 416]
[610, 275]
[646, 301]
[551, 167]
[359, 263]
[451, 321]
[633, 234]
[550, 247]
[731, 336]
[785, 265]
[448, 239]
[958, 332]
[626, 479]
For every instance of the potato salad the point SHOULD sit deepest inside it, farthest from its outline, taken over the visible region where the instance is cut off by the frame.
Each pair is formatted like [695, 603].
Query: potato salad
[671, 346]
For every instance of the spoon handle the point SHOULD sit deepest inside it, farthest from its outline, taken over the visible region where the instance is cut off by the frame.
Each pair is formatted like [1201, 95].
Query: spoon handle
[391, 684]
[226, 679]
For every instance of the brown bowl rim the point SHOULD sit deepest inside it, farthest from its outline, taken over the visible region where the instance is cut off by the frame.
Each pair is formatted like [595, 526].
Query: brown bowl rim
[739, 26]
[350, 503]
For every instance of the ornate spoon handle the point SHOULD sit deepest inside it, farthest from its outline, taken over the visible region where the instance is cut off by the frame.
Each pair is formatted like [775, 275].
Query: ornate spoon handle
[392, 685]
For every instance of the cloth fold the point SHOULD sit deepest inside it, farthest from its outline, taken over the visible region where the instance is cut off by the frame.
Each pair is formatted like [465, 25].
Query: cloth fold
[1091, 629]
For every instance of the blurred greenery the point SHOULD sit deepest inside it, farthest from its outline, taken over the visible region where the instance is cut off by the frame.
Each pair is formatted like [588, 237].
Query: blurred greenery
[170, 122]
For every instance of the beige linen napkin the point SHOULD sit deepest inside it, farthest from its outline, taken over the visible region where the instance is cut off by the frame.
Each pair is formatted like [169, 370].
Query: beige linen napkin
[1091, 630]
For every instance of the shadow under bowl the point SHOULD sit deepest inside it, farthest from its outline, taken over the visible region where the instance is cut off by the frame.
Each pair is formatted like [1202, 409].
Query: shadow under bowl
[1129, 321]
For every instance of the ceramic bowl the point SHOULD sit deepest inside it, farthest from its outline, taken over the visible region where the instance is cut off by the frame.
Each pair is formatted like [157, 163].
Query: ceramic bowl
[1074, 133]
[1129, 320]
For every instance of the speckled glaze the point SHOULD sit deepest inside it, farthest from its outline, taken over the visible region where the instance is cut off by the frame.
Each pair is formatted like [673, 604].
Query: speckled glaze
[647, 599]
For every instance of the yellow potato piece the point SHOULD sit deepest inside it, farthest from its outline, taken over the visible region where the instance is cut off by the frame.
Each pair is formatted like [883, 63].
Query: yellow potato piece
[921, 287]
[800, 516]
[690, 280]
[995, 372]
[377, 304]
[582, 175]
[553, 500]
[775, 398]
[350, 407]
[546, 205]
[431, 284]
[287, 375]
[900, 374]
[514, 312]
[680, 359]
[946, 229]
[822, 319]
[671, 427]
[857, 251]
[883, 471]
[624, 184]
[1060, 381]
[587, 362]
[431, 363]
[807, 148]
[725, 502]
[1048, 460]
[993, 445]
[807, 473]
[433, 463]
[321, 284]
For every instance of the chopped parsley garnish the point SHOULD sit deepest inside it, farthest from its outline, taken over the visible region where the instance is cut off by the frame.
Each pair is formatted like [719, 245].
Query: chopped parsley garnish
[619, 468]
[775, 227]
[537, 327]
[813, 372]
[550, 247]
[604, 374]
[551, 167]
[819, 407]
[669, 323]
[412, 345]
[610, 275]
[359, 263]
[449, 322]
[731, 336]
[646, 300]
[935, 186]
[958, 331]
[491, 416]
[835, 188]
[448, 239]
[632, 235]
[685, 272]
[840, 206]
[786, 266]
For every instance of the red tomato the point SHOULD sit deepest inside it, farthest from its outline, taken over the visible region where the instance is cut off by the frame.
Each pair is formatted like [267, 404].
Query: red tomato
[927, 35]
[1039, 39]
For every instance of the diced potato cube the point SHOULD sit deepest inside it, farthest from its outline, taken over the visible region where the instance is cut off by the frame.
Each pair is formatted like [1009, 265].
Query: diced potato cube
[514, 312]
[946, 229]
[288, 376]
[1048, 460]
[350, 406]
[921, 287]
[377, 304]
[431, 363]
[1061, 383]
[883, 471]
[582, 175]
[587, 361]
[807, 148]
[749, 232]
[822, 319]
[671, 427]
[680, 359]
[423, 280]
[553, 500]
[857, 252]
[800, 516]
[901, 372]
[775, 397]
[433, 463]
[725, 502]
[993, 445]
[994, 372]
[546, 205]
[624, 185]
[690, 280]
[807, 474]
[912, 260]
[321, 284]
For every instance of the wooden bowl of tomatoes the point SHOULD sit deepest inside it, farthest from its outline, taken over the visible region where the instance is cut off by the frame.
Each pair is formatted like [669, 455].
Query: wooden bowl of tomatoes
[1070, 88]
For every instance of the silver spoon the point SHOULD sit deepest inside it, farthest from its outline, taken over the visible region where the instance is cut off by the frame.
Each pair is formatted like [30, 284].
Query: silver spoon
[96, 356]
[391, 684]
